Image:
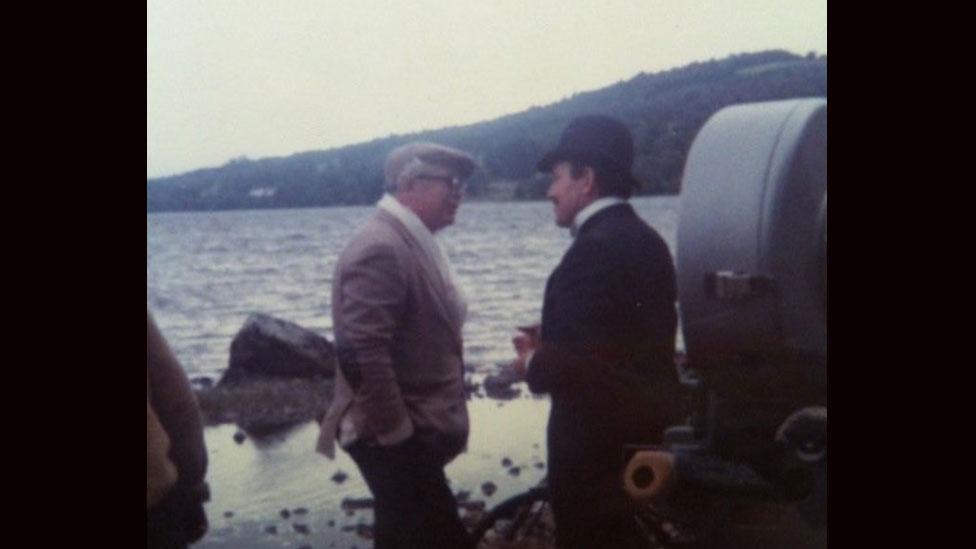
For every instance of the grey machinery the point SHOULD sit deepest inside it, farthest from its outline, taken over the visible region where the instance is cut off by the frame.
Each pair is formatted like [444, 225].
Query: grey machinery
[752, 291]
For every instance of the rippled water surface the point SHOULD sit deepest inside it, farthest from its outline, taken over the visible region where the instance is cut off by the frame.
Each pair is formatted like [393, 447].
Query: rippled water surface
[208, 271]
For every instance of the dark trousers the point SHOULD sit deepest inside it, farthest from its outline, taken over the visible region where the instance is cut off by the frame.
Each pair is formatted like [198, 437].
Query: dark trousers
[592, 519]
[414, 507]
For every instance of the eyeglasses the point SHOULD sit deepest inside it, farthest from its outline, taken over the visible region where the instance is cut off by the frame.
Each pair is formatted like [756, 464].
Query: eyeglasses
[455, 184]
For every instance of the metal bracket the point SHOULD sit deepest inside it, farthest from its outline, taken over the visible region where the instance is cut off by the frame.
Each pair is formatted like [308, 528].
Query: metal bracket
[736, 286]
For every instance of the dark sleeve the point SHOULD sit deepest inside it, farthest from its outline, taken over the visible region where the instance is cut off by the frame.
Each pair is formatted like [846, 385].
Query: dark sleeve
[558, 368]
[582, 315]
[176, 406]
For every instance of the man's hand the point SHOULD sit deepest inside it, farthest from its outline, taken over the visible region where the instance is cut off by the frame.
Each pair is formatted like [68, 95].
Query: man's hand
[525, 344]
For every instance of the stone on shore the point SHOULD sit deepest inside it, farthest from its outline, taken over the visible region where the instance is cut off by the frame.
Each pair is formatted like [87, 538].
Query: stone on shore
[356, 504]
[269, 347]
[500, 386]
[471, 506]
[263, 407]
[280, 375]
[201, 382]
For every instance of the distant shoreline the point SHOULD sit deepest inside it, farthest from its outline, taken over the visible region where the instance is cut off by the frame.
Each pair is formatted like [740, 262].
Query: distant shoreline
[467, 200]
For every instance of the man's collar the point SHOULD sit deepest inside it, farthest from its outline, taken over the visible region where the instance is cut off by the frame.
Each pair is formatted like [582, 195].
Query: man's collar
[413, 223]
[586, 213]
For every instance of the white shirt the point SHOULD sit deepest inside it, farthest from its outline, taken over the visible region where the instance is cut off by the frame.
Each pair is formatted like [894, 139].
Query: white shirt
[591, 210]
[430, 246]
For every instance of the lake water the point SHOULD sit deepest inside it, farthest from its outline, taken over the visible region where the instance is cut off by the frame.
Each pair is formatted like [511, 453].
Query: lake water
[208, 271]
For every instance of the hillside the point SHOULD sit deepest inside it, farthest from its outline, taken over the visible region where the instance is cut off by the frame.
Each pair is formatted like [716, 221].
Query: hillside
[664, 110]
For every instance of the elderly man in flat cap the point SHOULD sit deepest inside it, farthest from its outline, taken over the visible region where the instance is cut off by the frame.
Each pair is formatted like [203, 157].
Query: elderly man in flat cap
[399, 406]
[605, 353]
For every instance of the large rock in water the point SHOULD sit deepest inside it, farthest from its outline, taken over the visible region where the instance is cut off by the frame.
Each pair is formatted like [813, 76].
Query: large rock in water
[268, 347]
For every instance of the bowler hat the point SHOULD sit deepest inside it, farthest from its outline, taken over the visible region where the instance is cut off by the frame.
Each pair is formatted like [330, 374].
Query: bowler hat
[598, 139]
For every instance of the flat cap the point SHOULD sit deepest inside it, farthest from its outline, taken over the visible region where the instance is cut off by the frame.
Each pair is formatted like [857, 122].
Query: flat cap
[409, 159]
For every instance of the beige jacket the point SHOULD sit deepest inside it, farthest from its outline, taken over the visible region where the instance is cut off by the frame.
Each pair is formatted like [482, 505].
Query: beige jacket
[398, 338]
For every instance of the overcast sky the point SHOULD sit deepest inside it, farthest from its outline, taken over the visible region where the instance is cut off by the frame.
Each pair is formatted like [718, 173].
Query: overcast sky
[258, 78]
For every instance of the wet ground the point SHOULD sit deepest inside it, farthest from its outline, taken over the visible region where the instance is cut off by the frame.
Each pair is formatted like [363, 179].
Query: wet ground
[277, 492]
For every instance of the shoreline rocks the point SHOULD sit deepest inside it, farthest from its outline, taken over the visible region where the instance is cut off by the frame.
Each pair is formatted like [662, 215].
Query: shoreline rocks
[269, 347]
[264, 407]
[281, 375]
[502, 385]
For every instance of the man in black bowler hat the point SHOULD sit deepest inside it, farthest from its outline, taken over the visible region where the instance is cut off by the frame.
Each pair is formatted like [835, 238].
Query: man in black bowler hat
[605, 348]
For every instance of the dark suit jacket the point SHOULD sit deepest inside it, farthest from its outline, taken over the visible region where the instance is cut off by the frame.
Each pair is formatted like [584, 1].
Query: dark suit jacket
[607, 351]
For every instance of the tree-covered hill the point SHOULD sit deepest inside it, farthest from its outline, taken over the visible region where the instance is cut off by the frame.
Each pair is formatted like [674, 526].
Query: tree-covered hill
[664, 111]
